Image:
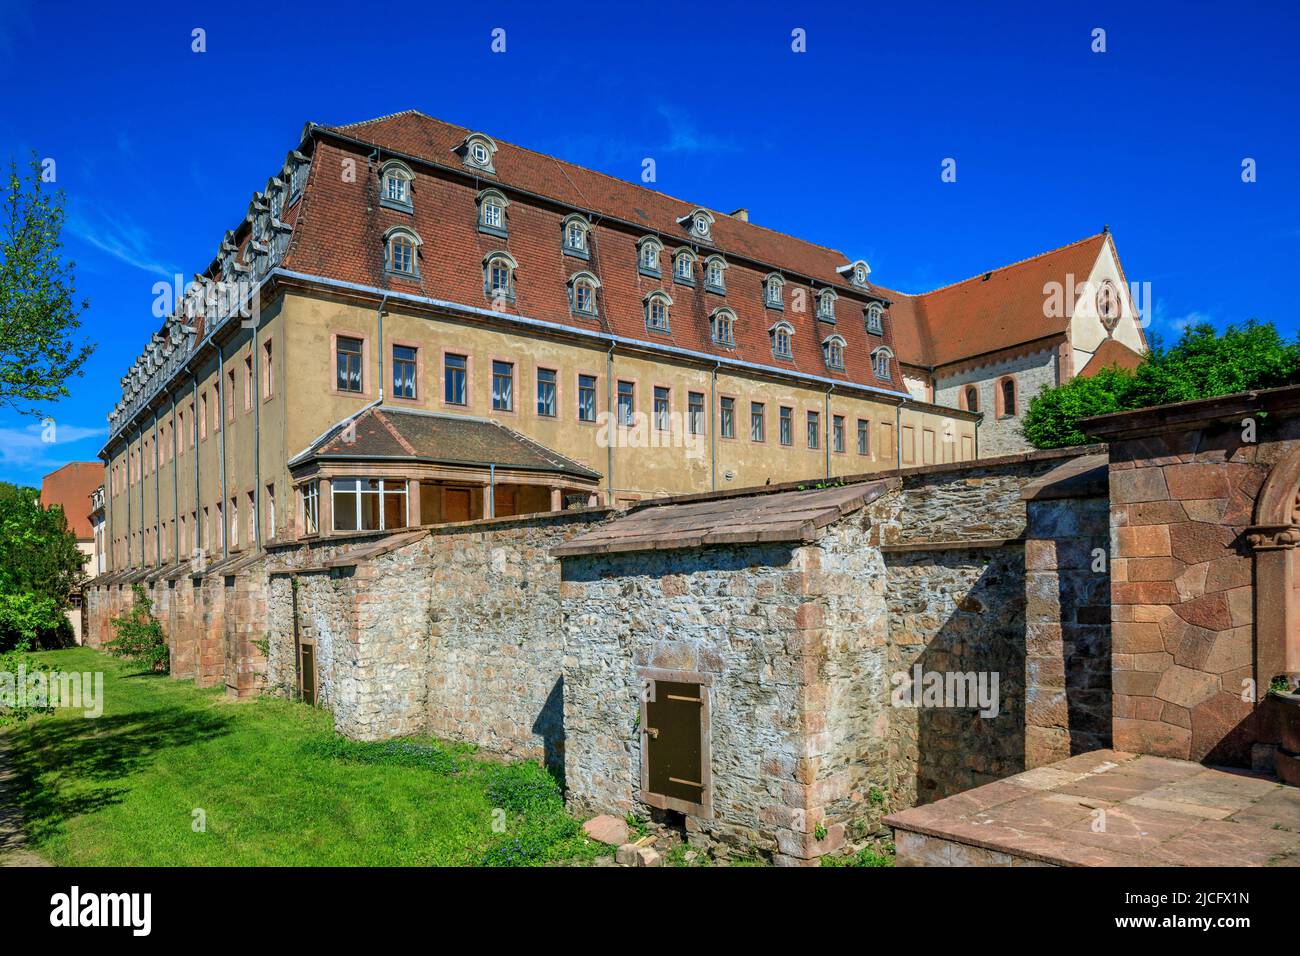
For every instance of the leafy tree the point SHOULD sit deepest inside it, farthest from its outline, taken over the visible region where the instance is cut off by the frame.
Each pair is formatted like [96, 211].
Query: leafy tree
[1202, 364]
[40, 566]
[38, 306]
[140, 637]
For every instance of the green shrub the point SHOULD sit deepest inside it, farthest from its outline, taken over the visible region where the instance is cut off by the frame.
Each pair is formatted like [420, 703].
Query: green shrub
[28, 620]
[10, 663]
[140, 637]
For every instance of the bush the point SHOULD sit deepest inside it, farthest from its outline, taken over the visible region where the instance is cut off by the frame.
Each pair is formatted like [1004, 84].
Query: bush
[10, 663]
[140, 637]
[1054, 414]
[29, 620]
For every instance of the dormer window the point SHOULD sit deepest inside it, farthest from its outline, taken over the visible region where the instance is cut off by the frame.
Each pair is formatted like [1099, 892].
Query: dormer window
[401, 247]
[856, 273]
[492, 213]
[826, 305]
[499, 276]
[833, 352]
[722, 327]
[477, 151]
[656, 311]
[699, 223]
[782, 335]
[684, 267]
[647, 260]
[576, 230]
[582, 293]
[875, 319]
[395, 182]
[715, 275]
[882, 363]
[774, 292]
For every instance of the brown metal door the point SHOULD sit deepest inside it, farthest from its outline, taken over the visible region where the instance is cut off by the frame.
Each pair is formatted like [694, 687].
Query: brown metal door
[455, 503]
[673, 744]
[308, 673]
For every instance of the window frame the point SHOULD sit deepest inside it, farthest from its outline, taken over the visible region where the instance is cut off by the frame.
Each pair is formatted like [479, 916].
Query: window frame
[397, 170]
[363, 355]
[416, 361]
[391, 237]
[464, 370]
[381, 492]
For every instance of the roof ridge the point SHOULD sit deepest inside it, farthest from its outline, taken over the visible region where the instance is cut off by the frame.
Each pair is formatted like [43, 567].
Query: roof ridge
[378, 119]
[1009, 265]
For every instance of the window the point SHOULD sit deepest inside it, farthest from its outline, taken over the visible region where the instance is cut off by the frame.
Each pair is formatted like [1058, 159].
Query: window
[400, 252]
[310, 507]
[971, 398]
[216, 408]
[814, 430]
[782, 340]
[396, 186]
[252, 518]
[492, 213]
[826, 305]
[662, 419]
[582, 293]
[1108, 305]
[701, 223]
[695, 412]
[864, 437]
[503, 386]
[404, 365]
[727, 417]
[575, 236]
[455, 375]
[586, 398]
[837, 434]
[860, 271]
[684, 267]
[715, 279]
[268, 371]
[626, 402]
[656, 312]
[1007, 397]
[833, 352]
[875, 325]
[269, 498]
[347, 364]
[880, 360]
[757, 422]
[774, 292]
[229, 397]
[647, 262]
[477, 150]
[499, 276]
[722, 327]
[787, 425]
[368, 504]
[546, 392]
[478, 154]
[234, 523]
[248, 382]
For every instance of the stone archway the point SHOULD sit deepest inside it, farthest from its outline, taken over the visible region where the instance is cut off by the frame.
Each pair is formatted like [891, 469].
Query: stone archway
[1274, 538]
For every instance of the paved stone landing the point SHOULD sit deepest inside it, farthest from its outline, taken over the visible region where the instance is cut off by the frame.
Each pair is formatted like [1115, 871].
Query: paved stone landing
[1108, 808]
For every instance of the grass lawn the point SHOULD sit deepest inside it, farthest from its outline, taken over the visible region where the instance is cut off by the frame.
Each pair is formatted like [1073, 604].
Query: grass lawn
[276, 785]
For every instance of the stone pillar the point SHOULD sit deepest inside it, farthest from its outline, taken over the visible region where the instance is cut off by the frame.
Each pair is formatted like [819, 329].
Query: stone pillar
[557, 498]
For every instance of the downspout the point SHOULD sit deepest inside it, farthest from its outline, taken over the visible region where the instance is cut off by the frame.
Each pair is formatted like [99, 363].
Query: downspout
[157, 495]
[826, 425]
[129, 532]
[198, 505]
[713, 425]
[221, 450]
[611, 424]
[491, 510]
[380, 318]
[176, 495]
[898, 435]
[256, 386]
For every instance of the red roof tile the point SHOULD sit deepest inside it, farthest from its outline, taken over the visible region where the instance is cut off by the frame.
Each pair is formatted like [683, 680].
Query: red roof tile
[1110, 354]
[71, 487]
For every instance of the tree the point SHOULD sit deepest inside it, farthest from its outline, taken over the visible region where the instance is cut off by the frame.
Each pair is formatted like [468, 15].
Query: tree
[38, 307]
[1202, 364]
[40, 566]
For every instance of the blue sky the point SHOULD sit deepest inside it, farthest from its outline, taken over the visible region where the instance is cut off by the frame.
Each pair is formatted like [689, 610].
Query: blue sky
[159, 148]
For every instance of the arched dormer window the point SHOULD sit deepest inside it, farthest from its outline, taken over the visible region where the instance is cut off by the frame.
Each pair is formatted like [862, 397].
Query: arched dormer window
[782, 335]
[856, 272]
[656, 311]
[577, 233]
[882, 361]
[647, 256]
[395, 179]
[492, 213]
[826, 305]
[401, 252]
[774, 292]
[833, 352]
[684, 267]
[499, 276]
[722, 326]
[699, 223]
[875, 319]
[715, 275]
[582, 293]
[477, 151]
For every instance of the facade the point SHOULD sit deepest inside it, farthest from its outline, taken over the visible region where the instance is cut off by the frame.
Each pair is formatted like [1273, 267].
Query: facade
[73, 488]
[403, 277]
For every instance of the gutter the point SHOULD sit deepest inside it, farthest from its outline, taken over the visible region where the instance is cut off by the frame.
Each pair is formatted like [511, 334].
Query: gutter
[610, 413]
[221, 411]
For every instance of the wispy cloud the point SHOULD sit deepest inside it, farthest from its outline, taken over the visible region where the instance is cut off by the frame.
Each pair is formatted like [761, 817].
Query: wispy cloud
[119, 238]
[35, 449]
[685, 136]
[1179, 323]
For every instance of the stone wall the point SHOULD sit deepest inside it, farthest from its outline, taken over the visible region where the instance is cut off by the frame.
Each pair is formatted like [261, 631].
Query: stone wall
[1001, 436]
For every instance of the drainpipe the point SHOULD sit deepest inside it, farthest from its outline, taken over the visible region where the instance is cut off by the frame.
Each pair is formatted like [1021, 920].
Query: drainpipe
[611, 424]
[713, 424]
[827, 427]
[380, 319]
[256, 398]
[176, 497]
[198, 505]
[157, 494]
[221, 449]
[129, 532]
[491, 510]
[898, 435]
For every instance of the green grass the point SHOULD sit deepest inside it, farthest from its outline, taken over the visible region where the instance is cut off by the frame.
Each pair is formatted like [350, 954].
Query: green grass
[277, 787]
[867, 856]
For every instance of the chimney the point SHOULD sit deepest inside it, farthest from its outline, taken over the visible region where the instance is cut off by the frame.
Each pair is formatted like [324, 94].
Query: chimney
[741, 214]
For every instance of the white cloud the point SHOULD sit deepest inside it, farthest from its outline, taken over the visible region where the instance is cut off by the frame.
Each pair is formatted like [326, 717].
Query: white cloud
[1179, 323]
[119, 238]
[33, 449]
[685, 137]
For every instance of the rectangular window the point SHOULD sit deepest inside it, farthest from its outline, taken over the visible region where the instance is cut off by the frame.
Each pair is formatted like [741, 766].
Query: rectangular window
[229, 398]
[787, 425]
[311, 507]
[695, 412]
[837, 434]
[503, 386]
[626, 402]
[814, 430]
[252, 517]
[268, 371]
[587, 398]
[347, 360]
[661, 408]
[757, 422]
[368, 504]
[216, 407]
[864, 437]
[234, 523]
[546, 392]
[455, 375]
[180, 430]
[203, 415]
[403, 371]
[248, 383]
[727, 417]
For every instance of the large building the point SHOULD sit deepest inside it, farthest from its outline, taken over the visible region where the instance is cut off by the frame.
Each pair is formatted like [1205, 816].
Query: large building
[75, 488]
[417, 323]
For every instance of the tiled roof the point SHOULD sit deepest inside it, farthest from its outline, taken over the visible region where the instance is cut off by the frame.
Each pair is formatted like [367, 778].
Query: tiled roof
[71, 486]
[1110, 354]
[397, 433]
